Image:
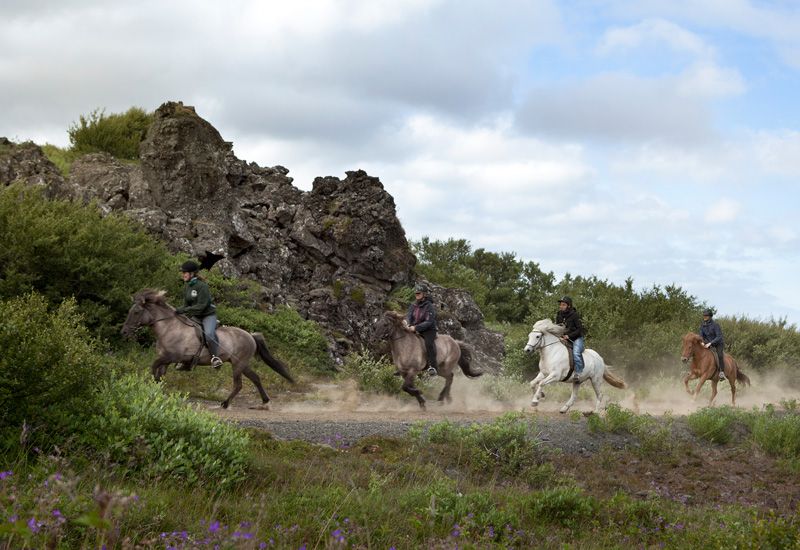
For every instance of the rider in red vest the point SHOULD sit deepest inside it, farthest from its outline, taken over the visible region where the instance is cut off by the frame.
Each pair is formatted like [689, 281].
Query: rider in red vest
[421, 318]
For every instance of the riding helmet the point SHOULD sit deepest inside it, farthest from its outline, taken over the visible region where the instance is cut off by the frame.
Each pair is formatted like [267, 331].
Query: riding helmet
[708, 312]
[419, 287]
[567, 300]
[190, 267]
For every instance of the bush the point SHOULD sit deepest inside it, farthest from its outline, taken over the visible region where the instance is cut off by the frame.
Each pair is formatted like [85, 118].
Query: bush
[507, 445]
[288, 335]
[777, 434]
[148, 431]
[61, 249]
[713, 424]
[372, 375]
[116, 134]
[62, 158]
[48, 368]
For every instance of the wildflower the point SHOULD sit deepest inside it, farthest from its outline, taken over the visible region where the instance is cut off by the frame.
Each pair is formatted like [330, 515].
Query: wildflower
[33, 525]
[213, 527]
[7, 473]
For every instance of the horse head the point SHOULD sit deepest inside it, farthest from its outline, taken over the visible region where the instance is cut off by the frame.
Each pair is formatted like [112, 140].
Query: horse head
[139, 314]
[386, 326]
[540, 328]
[690, 341]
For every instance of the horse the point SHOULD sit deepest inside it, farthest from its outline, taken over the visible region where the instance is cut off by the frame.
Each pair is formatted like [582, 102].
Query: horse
[177, 341]
[554, 365]
[704, 365]
[408, 355]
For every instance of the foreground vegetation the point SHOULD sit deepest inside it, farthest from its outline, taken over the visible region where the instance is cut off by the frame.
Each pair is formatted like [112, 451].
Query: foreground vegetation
[94, 454]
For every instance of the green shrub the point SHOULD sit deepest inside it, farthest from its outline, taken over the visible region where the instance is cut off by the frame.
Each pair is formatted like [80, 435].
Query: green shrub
[713, 424]
[507, 445]
[777, 434]
[48, 368]
[288, 335]
[61, 249]
[157, 434]
[653, 436]
[372, 375]
[563, 506]
[116, 134]
[62, 158]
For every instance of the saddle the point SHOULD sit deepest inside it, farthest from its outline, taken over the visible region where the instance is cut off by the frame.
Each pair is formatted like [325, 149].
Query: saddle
[568, 344]
[201, 337]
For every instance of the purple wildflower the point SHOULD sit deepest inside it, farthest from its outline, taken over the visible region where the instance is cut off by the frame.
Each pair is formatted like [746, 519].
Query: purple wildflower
[7, 473]
[213, 527]
[33, 525]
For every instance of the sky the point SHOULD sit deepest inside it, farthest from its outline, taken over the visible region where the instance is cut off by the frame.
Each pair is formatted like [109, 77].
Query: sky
[657, 140]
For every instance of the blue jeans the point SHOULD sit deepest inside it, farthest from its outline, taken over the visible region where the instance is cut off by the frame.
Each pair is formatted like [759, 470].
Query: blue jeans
[210, 331]
[578, 346]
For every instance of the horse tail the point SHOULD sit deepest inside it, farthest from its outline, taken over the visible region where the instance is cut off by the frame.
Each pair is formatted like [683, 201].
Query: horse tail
[740, 376]
[267, 357]
[464, 361]
[614, 380]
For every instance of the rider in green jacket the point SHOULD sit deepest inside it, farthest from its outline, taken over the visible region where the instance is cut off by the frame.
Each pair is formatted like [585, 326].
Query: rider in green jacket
[197, 303]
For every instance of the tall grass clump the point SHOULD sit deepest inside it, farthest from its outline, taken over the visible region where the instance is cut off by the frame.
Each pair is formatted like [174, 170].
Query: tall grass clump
[157, 435]
[777, 433]
[653, 436]
[62, 158]
[372, 375]
[714, 424]
[61, 249]
[289, 336]
[48, 366]
[508, 445]
[118, 134]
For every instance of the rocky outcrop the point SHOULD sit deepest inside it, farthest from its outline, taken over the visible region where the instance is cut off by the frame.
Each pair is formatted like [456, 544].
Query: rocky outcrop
[25, 162]
[333, 253]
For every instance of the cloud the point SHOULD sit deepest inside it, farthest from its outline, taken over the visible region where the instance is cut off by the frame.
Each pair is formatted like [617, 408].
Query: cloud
[654, 33]
[723, 211]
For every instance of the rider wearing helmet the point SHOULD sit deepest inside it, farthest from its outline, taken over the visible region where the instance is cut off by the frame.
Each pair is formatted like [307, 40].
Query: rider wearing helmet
[421, 318]
[571, 319]
[711, 333]
[197, 303]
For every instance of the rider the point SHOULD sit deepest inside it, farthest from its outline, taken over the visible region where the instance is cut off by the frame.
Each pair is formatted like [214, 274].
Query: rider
[571, 319]
[421, 318]
[712, 338]
[199, 305]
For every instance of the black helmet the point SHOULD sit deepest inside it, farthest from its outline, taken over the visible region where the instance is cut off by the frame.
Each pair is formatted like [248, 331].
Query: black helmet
[708, 312]
[567, 300]
[190, 267]
[420, 287]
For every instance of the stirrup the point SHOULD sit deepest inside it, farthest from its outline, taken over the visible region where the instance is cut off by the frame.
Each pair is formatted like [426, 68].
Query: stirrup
[722, 376]
[576, 377]
[432, 371]
[216, 362]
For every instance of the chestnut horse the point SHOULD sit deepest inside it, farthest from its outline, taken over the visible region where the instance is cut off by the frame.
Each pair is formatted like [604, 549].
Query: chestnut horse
[704, 366]
[408, 355]
[177, 341]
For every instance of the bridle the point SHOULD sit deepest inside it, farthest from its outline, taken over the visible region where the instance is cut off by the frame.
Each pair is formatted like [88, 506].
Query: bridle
[540, 344]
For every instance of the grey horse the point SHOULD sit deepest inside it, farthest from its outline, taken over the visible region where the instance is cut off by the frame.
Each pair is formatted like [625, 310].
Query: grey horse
[177, 341]
[408, 355]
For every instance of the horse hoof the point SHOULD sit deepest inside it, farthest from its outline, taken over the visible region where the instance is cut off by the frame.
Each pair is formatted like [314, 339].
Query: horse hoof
[224, 404]
[261, 407]
[534, 403]
[563, 410]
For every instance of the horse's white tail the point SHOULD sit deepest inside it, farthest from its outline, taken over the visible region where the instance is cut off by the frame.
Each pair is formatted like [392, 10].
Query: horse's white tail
[615, 381]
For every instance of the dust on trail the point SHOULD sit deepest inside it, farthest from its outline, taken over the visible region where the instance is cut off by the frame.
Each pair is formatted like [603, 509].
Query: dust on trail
[475, 400]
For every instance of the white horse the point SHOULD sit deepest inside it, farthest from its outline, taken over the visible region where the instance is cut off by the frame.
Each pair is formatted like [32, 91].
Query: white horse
[554, 364]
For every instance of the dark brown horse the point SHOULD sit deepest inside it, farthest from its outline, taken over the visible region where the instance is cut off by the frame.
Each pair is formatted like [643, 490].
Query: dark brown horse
[408, 355]
[703, 365]
[177, 341]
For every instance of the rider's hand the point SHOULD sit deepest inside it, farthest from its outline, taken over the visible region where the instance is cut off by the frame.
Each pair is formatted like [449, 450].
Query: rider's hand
[706, 346]
[411, 329]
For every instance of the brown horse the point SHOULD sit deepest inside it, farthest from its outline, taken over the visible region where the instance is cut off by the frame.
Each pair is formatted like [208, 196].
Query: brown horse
[177, 341]
[408, 355]
[704, 366]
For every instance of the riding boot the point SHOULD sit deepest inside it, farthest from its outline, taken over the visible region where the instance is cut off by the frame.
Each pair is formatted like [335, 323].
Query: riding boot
[430, 349]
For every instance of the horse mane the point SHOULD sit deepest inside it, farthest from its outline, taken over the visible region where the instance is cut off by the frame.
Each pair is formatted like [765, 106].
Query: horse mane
[395, 317]
[151, 296]
[546, 325]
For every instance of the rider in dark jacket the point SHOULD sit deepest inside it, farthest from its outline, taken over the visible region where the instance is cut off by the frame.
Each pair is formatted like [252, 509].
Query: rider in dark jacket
[421, 318]
[571, 319]
[197, 303]
[711, 333]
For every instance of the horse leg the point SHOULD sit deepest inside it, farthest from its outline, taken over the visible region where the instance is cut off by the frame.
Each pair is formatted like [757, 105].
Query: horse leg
[237, 386]
[409, 388]
[539, 393]
[571, 399]
[159, 367]
[689, 376]
[597, 385]
[448, 381]
[536, 386]
[256, 380]
[713, 391]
